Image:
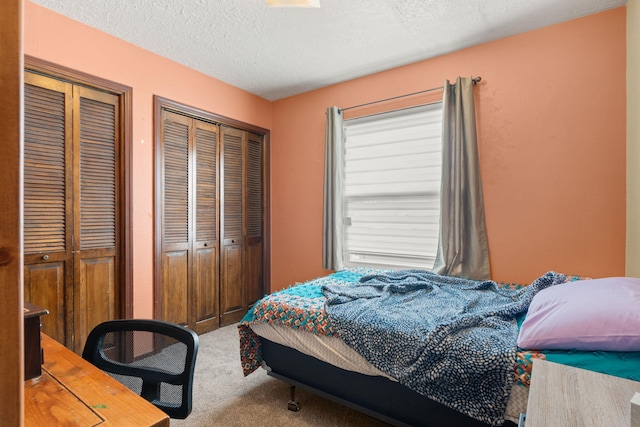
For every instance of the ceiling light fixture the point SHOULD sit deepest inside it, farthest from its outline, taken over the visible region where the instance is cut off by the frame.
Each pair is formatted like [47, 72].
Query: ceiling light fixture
[293, 3]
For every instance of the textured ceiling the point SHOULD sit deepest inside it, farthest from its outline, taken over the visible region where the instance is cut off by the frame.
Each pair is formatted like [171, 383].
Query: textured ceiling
[279, 52]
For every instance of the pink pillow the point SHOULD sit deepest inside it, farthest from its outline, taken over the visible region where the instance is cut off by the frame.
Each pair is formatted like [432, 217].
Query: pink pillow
[590, 315]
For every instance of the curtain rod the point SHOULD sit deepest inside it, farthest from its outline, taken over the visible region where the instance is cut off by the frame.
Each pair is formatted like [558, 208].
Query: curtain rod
[475, 81]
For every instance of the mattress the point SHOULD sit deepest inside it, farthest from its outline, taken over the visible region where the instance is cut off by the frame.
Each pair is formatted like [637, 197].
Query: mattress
[295, 317]
[332, 350]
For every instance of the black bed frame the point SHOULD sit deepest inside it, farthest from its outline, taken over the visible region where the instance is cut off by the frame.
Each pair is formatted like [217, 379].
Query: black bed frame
[376, 396]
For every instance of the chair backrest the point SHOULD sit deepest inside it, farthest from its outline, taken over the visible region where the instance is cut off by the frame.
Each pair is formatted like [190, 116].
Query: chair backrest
[155, 359]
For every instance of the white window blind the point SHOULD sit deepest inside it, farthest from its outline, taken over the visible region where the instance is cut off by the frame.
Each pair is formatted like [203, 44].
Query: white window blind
[392, 175]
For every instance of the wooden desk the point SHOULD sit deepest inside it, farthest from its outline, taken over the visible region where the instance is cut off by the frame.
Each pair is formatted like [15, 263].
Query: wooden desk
[563, 396]
[71, 391]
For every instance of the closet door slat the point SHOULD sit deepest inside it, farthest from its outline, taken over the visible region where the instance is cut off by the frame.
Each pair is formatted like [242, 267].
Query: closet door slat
[232, 185]
[206, 185]
[44, 170]
[97, 174]
[176, 182]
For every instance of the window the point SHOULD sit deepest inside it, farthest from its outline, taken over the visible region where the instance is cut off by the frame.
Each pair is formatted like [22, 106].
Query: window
[392, 175]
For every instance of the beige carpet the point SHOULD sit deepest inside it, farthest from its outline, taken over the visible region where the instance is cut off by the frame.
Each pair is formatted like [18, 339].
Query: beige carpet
[222, 396]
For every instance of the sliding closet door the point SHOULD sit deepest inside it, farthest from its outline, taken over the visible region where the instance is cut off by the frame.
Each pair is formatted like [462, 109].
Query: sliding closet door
[71, 205]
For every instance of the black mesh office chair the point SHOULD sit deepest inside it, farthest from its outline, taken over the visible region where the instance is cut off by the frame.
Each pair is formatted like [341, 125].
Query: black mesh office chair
[155, 359]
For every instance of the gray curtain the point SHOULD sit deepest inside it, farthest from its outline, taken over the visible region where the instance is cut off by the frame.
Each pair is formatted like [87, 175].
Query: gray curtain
[332, 215]
[463, 250]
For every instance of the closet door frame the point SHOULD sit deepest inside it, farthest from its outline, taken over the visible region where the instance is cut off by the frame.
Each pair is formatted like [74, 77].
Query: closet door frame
[160, 104]
[125, 236]
[11, 227]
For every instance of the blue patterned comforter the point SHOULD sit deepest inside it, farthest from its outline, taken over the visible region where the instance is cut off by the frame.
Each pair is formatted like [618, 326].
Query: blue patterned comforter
[452, 340]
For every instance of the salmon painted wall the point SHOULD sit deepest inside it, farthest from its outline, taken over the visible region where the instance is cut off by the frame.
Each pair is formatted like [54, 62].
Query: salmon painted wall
[55, 38]
[551, 119]
[633, 138]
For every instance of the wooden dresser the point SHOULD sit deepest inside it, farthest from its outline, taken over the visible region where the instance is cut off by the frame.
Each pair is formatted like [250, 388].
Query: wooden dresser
[72, 392]
[563, 396]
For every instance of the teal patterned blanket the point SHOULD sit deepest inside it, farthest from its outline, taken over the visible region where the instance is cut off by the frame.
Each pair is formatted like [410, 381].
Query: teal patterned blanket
[452, 340]
[300, 307]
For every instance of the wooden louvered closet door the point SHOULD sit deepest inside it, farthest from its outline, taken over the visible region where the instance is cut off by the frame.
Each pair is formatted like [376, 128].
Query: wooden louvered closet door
[175, 218]
[210, 204]
[95, 210]
[232, 275]
[71, 198]
[48, 202]
[189, 242]
[254, 219]
[206, 248]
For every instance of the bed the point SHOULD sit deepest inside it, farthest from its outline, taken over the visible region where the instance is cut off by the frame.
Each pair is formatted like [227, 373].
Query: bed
[310, 336]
